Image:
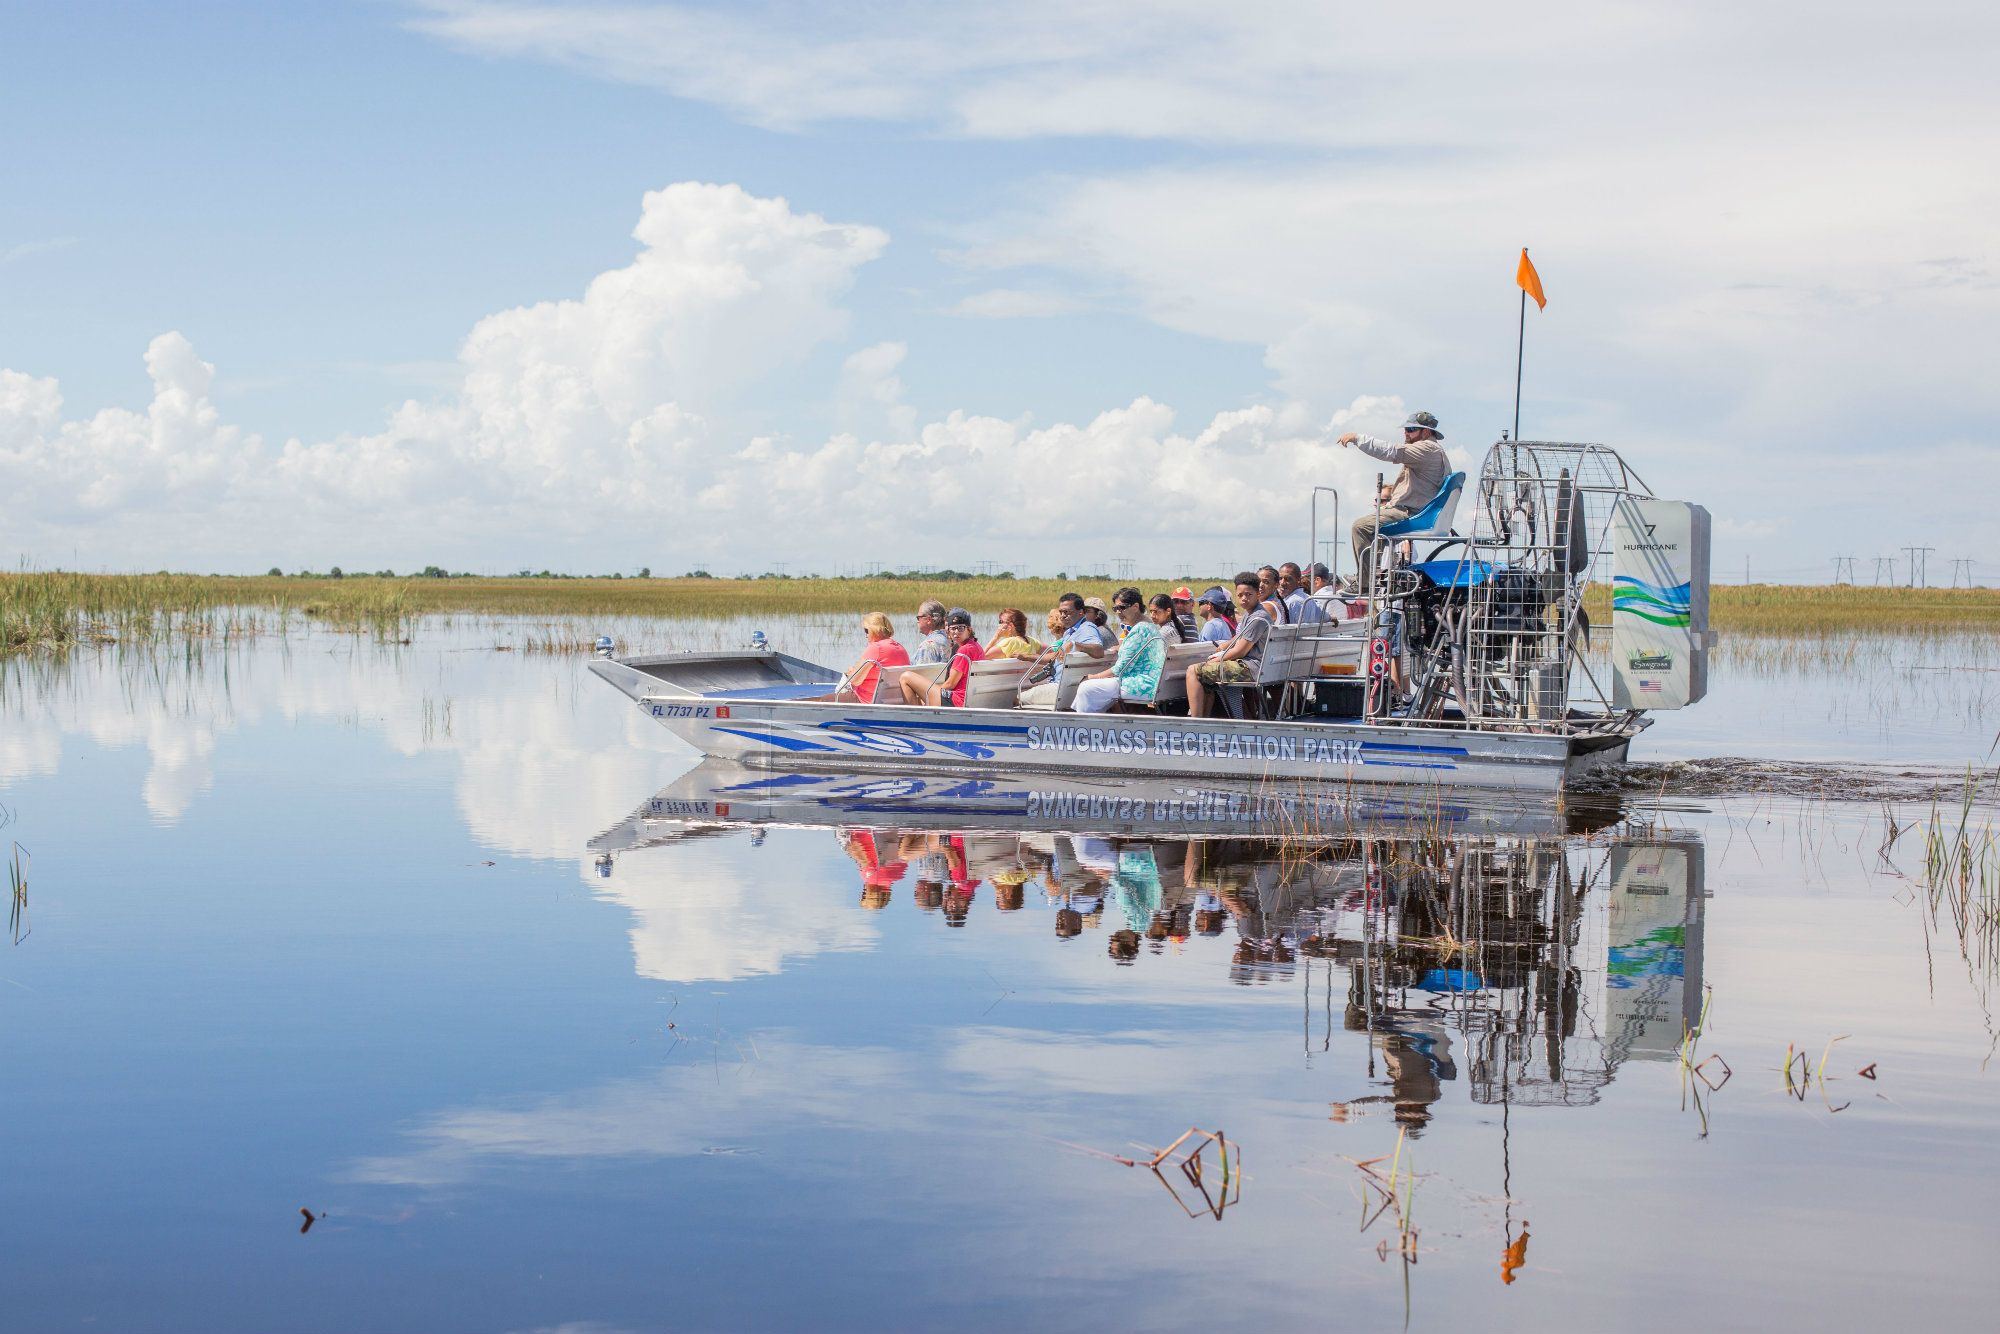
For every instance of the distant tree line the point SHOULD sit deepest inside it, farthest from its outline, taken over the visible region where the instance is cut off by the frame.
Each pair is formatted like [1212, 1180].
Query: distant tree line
[645, 572]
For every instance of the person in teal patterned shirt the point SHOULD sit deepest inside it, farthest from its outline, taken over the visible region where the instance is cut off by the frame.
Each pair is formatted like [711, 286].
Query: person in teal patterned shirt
[1141, 656]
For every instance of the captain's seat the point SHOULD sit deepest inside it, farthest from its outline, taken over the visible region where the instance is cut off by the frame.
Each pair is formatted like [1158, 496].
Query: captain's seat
[1434, 519]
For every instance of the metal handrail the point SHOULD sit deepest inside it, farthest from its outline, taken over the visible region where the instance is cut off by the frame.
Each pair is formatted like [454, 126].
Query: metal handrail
[1312, 538]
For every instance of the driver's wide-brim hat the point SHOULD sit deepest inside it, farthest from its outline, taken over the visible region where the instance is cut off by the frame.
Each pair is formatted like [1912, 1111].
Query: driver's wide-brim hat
[1428, 421]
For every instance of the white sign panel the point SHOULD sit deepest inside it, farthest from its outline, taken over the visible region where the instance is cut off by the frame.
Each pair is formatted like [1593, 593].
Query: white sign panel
[1659, 604]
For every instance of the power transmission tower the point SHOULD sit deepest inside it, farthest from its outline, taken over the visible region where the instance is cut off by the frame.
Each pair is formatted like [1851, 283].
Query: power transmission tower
[1885, 570]
[1920, 565]
[1964, 563]
[1843, 563]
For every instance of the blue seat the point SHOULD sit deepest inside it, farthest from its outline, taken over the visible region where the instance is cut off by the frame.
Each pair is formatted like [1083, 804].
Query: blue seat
[1434, 519]
[1459, 573]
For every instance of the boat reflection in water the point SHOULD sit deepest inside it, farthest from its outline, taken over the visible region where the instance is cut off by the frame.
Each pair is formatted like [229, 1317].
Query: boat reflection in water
[1525, 949]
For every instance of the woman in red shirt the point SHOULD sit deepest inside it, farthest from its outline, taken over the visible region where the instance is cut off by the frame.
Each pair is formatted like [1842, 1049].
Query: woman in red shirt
[949, 689]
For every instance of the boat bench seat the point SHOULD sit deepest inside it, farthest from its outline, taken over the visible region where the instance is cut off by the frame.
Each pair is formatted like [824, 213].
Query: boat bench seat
[1293, 656]
[1173, 676]
[889, 688]
[994, 683]
[1076, 666]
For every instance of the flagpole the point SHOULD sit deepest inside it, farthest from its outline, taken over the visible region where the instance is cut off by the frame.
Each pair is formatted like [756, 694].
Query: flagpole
[1520, 345]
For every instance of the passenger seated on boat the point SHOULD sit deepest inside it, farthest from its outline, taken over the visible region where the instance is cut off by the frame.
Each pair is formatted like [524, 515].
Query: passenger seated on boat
[1184, 622]
[1076, 634]
[1099, 615]
[1217, 625]
[1425, 469]
[1236, 663]
[1273, 602]
[1011, 639]
[1118, 625]
[1292, 589]
[882, 651]
[949, 689]
[1135, 675]
[1316, 606]
[930, 624]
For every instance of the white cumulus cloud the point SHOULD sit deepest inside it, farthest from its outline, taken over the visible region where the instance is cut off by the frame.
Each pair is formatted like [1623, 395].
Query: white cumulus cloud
[620, 416]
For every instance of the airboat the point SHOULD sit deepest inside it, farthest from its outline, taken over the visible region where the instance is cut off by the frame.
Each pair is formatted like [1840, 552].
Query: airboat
[1467, 659]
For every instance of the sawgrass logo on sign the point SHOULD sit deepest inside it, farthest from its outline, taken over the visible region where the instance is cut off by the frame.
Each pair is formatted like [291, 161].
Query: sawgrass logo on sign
[1192, 745]
[1650, 662]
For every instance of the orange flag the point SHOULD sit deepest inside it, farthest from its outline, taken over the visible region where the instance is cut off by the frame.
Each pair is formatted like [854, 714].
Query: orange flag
[1529, 281]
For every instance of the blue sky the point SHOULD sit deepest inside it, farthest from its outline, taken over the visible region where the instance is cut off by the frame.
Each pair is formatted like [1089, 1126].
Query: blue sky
[1766, 238]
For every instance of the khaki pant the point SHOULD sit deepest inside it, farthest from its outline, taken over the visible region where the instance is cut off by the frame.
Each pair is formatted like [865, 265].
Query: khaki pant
[1365, 540]
[1042, 696]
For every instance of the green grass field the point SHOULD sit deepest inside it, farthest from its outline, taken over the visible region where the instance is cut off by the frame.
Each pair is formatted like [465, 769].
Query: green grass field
[55, 609]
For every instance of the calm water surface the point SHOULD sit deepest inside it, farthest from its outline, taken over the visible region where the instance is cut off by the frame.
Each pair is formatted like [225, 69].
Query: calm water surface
[548, 1027]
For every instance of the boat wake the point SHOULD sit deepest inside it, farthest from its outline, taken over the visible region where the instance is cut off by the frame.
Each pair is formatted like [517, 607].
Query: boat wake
[1737, 776]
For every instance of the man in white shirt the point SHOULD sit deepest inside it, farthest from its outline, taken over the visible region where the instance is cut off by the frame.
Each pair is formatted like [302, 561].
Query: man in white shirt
[1292, 589]
[1424, 466]
[1313, 607]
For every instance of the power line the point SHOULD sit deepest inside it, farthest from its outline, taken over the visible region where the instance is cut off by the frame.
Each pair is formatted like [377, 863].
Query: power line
[1920, 565]
[1958, 563]
[1885, 570]
[1841, 563]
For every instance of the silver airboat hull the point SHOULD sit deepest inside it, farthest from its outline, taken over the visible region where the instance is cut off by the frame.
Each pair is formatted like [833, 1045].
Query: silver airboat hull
[773, 711]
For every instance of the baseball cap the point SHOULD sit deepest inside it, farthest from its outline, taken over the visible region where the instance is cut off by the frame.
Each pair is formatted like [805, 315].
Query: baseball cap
[1183, 594]
[958, 616]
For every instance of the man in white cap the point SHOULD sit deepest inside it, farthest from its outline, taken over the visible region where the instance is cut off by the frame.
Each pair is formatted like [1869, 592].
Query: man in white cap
[1424, 469]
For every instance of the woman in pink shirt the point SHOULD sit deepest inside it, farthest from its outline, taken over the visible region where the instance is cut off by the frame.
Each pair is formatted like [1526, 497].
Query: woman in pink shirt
[882, 651]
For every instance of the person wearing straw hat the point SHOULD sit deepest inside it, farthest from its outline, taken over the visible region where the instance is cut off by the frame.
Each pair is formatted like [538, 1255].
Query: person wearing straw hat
[1424, 469]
